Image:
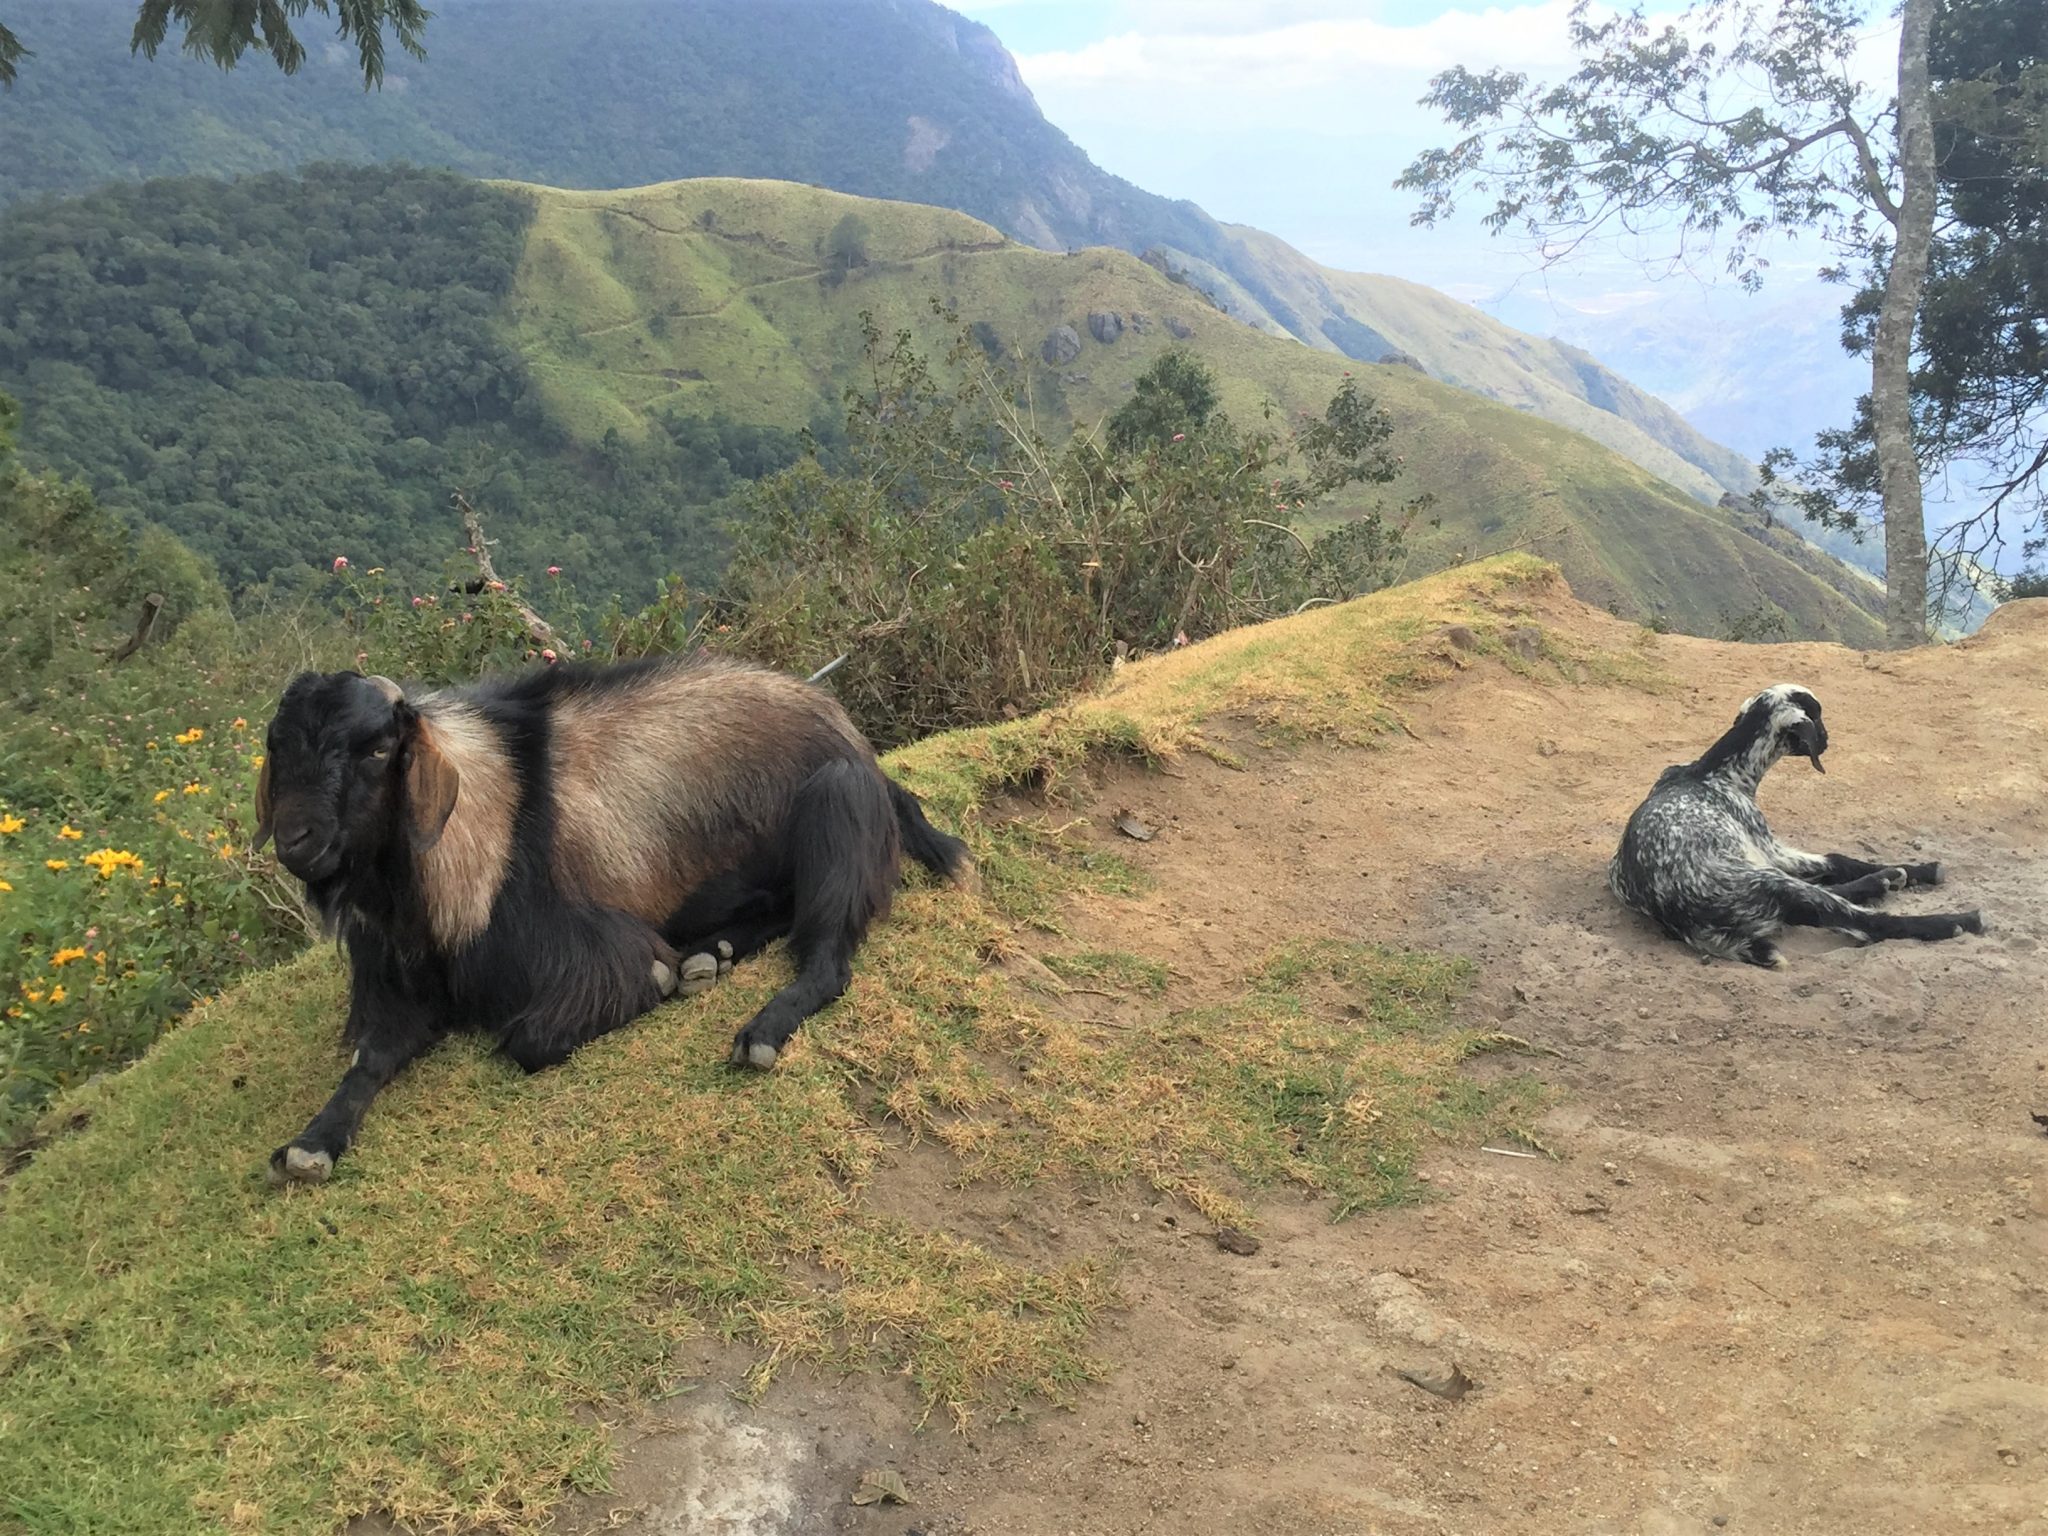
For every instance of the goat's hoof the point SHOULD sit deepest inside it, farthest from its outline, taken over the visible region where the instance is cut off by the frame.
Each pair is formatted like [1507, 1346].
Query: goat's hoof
[758, 1054]
[300, 1165]
[664, 979]
[1897, 879]
[700, 974]
[1970, 922]
[1932, 874]
[725, 951]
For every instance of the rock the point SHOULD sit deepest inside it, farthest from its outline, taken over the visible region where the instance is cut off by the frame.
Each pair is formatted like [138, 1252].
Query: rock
[1232, 1240]
[1140, 322]
[1178, 327]
[1105, 326]
[1461, 637]
[1062, 345]
[1402, 360]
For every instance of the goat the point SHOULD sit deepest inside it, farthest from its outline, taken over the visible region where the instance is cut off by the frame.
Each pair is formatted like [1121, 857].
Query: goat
[548, 855]
[1698, 857]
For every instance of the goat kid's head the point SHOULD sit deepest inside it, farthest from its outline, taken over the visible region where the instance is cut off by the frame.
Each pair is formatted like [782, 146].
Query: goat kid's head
[1786, 720]
[349, 765]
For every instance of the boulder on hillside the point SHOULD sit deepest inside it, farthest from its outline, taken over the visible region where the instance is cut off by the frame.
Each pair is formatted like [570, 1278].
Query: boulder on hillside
[1180, 329]
[1062, 345]
[1402, 360]
[1105, 326]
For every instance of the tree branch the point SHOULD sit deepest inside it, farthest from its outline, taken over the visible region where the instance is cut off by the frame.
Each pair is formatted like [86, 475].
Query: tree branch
[473, 525]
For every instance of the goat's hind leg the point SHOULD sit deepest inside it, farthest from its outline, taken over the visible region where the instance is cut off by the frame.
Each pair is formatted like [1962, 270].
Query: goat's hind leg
[1817, 907]
[843, 851]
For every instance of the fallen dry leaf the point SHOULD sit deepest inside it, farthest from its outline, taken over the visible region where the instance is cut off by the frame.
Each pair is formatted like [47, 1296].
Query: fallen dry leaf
[879, 1486]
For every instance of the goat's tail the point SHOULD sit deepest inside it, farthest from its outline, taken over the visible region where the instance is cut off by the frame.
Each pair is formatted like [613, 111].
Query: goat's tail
[943, 855]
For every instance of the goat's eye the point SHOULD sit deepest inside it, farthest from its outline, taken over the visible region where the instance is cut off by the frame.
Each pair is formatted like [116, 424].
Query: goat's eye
[378, 754]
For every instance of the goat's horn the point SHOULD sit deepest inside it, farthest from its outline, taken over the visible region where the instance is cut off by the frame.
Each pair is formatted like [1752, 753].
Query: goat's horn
[388, 688]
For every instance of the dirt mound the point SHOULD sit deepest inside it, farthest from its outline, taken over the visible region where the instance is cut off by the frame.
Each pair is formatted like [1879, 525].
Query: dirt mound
[1783, 1271]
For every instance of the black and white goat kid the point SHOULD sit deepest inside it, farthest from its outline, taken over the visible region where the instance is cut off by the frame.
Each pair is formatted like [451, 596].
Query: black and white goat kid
[1699, 858]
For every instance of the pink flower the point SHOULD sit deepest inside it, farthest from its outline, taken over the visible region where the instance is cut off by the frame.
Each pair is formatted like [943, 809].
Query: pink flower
[586, 645]
[419, 602]
[341, 562]
[497, 586]
[467, 617]
[1180, 437]
[1006, 485]
[548, 656]
[554, 570]
[1347, 373]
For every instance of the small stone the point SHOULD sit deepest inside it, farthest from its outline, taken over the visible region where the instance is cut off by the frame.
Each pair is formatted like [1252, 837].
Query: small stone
[1720, 1520]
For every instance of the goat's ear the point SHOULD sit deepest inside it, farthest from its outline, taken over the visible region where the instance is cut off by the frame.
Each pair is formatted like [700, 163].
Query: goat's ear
[262, 806]
[431, 784]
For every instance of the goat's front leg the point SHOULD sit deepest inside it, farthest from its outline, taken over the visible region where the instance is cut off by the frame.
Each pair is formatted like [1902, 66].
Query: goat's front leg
[1836, 870]
[389, 1033]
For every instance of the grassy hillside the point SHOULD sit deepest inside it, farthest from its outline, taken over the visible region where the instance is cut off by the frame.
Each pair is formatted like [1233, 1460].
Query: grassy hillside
[630, 307]
[428, 1333]
[898, 99]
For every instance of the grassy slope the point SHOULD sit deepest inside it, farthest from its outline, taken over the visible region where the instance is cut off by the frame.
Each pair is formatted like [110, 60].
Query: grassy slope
[183, 1348]
[627, 306]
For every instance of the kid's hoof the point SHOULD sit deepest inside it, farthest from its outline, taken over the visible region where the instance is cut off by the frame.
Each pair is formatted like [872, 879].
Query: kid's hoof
[758, 1054]
[724, 958]
[1932, 874]
[297, 1165]
[1896, 879]
[700, 974]
[1971, 922]
[664, 979]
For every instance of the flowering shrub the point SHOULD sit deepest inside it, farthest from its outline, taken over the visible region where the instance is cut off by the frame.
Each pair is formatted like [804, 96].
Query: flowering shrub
[104, 947]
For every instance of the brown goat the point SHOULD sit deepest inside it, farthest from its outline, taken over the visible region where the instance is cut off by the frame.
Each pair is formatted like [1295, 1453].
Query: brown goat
[547, 856]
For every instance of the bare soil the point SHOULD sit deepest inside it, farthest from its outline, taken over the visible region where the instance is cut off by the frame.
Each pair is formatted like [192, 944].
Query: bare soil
[1784, 1274]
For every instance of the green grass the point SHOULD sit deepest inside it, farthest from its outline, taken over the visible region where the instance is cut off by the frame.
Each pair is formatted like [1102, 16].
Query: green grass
[183, 1348]
[629, 306]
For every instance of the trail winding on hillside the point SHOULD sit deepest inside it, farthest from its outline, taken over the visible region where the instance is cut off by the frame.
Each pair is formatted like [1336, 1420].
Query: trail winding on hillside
[1784, 1273]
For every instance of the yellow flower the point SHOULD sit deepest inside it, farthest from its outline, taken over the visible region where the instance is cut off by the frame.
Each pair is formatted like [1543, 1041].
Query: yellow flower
[84, 1025]
[69, 833]
[195, 788]
[56, 995]
[161, 796]
[34, 997]
[55, 864]
[178, 900]
[186, 738]
[227, 850]
[107, 860]
[256, 761]
[100, 959]
[149, 745]
[4, 886]
[9, 825]
[239, 724]
[64, 957]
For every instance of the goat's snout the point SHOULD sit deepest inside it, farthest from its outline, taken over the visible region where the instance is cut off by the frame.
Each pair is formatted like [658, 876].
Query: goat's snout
[306, 847]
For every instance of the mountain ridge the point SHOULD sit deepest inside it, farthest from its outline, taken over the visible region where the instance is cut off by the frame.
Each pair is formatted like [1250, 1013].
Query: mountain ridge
[900, 99]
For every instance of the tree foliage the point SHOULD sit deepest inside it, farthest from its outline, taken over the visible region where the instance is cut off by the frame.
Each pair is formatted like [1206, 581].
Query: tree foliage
[1980, 380]
[224, 30]
[1732, 127]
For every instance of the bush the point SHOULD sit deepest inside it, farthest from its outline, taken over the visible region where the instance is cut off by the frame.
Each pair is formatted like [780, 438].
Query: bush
[972, 571]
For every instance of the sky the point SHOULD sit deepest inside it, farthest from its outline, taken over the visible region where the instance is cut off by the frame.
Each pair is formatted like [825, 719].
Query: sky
[1297, 115]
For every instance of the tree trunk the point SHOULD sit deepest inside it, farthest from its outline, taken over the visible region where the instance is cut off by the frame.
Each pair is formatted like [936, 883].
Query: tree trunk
[1905, 527]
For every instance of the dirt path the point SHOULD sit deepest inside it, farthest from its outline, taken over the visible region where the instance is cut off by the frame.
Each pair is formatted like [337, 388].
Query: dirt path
[1789, 1273]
